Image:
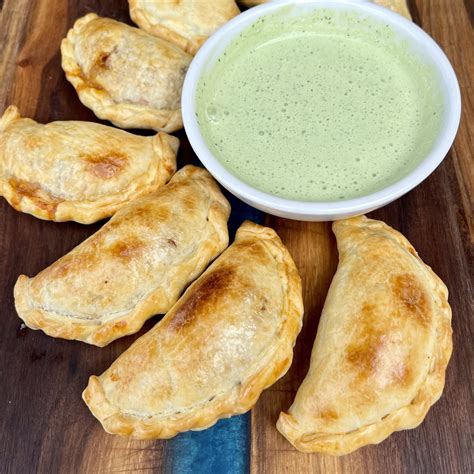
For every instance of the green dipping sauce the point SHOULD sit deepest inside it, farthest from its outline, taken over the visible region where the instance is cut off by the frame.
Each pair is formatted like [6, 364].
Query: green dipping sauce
[321, 106]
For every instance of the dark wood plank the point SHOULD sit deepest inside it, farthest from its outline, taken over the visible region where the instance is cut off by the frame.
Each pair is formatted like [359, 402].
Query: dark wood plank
[45, 426]
[437, 218]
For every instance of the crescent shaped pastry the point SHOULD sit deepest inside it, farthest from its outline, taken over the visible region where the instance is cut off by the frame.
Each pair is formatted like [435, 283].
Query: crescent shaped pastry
[80, 171]
[134, 267]
[229, 337]
[382, 348]
[124, 74]
[398, 6]
[187, 23]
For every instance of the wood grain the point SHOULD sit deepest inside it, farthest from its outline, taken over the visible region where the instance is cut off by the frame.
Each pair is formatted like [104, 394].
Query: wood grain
[437, 218]
[46, 428]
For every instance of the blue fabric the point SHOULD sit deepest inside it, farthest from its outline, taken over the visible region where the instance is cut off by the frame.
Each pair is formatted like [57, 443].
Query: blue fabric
[225, 447]
[222, 449]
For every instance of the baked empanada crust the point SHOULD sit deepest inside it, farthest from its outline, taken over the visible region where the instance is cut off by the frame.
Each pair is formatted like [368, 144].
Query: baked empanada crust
[229, 337]
[134, 267]
[80, 171]
[383, 344]
[124, 74]
[398, 6]
[186, 23]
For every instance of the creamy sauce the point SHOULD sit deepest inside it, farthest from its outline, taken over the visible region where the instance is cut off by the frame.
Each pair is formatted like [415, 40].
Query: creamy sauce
[323, 106]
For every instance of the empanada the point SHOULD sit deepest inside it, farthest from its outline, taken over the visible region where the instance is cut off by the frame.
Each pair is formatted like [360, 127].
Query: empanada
[187, 23]
[383, 344]
[229, 337]
[135, 266]
[399, 6]
[124, 74]
[80, 171]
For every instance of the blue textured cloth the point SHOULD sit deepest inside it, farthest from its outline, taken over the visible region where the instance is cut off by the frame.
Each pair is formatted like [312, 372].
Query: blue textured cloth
[222, 449]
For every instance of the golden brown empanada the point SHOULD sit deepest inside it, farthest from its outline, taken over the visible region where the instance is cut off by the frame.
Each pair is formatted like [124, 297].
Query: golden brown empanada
[124, 74]
[229, 337]
[399, 6]
[135, 266]
[187, 23]
[80, 171]
[383, 344]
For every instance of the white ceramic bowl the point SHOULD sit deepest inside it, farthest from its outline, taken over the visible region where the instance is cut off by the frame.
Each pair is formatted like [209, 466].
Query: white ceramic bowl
[321, 211]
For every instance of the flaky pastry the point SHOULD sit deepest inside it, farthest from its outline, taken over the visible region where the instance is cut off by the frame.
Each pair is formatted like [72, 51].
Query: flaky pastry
[80, 171]
[229, 337]
[124, 74]
[382, 347]
[134, 267]
[187, 23]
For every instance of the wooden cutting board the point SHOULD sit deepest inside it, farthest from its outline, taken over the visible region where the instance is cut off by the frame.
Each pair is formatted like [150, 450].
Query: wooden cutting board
[44, 425]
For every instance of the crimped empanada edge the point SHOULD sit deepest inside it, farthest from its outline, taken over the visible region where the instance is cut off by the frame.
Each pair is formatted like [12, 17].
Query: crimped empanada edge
[220, 208]
[406, 417]
[242, 398]
[100, 102]
[10, 115]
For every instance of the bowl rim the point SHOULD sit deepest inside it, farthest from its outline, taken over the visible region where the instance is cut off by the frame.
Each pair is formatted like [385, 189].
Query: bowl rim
[222, 37]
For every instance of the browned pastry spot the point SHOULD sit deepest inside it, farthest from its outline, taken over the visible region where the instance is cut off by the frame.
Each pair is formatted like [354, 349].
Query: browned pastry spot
[103, 58]
[412, 298]
[412, 251]
[35, 193]
[33, 141]
[372, 342]
[329, 415]
[101, 63]
[363, 354]
[128, 249]
[85, 83]
[114, 377]
[203, 295]
[258, 252]
[66, 264]
[106, 165]
[190, 203]
[402, 375]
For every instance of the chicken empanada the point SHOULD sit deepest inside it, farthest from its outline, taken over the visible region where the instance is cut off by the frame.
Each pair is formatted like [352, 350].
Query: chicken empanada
[135, 266]
[383, 344]
[398, 6]
[124, 74]
[80, 171]
[187, 23]
[229, 337]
